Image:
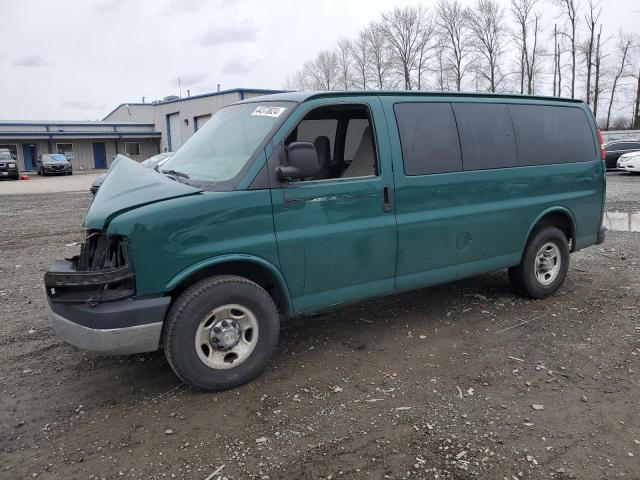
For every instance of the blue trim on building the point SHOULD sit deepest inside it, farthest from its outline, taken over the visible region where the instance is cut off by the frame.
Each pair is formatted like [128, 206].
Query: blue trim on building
[80, 134]
[80, 124]
[168, 132]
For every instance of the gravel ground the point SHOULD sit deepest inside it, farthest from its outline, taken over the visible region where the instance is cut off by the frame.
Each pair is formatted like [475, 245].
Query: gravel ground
[439, 383]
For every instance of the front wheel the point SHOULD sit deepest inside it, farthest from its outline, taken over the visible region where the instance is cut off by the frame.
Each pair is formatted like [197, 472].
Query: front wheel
[544, 264]
[221, 332]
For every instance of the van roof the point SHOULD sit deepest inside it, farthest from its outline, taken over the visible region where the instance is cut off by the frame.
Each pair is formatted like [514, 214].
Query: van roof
[300, 97]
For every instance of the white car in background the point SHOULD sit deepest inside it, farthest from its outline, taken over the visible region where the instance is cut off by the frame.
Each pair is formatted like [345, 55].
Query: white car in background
[154, 162]
[629, 162]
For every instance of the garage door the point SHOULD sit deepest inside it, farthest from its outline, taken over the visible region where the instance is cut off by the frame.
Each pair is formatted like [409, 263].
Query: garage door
[175, 138]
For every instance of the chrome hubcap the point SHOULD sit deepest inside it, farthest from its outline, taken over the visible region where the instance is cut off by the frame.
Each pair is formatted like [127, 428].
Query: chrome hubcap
[548, 262]
[226, 336]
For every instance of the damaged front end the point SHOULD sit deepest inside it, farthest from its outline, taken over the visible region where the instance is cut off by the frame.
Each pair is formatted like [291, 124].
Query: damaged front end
[102, 272]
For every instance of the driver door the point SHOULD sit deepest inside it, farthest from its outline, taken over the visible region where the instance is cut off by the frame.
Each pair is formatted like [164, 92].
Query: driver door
[337, 235]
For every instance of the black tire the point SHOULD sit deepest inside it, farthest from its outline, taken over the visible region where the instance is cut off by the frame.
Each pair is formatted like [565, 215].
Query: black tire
[188, 312]
[523, 276]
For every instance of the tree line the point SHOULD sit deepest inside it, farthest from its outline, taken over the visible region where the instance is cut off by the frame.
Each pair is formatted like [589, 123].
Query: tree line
[543, 47]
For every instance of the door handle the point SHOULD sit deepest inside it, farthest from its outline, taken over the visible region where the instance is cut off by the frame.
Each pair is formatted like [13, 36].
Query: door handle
[387, 199]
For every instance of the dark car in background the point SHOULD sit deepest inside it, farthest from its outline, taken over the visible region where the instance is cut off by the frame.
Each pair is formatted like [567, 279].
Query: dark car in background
[615, 148]
[153, 162]
[54, 163]
[8, 165]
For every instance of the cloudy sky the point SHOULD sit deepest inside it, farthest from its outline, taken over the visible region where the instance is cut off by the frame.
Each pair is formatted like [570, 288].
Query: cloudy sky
[77, 60]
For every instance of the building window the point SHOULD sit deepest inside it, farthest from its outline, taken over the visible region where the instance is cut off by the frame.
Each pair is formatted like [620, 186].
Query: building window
[132, 149]
[65, 149]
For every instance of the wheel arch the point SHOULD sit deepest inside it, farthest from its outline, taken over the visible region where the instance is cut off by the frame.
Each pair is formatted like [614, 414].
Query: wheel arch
[256, 269]
[560, 217]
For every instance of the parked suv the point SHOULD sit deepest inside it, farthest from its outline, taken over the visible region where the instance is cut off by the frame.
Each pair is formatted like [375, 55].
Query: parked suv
[54, 163]
[286, 204]
[8, 165]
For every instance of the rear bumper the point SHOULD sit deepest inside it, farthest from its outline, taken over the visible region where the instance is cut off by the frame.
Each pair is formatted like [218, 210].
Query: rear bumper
[123, 327]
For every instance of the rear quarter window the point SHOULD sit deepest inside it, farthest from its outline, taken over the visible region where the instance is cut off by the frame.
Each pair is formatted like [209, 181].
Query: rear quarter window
[552, 134]
[428, 137]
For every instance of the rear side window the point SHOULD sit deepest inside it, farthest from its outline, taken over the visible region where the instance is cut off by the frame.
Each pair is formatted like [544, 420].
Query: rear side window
[429, 138]
[548, 134]
[486, 136]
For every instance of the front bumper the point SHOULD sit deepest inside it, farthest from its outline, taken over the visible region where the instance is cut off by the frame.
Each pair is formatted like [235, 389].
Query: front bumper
[628, 168]
[9, 172]
[56, 169]
[122, 327]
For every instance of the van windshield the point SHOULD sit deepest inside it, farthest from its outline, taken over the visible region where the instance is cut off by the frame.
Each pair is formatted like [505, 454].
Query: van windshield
[218, 151]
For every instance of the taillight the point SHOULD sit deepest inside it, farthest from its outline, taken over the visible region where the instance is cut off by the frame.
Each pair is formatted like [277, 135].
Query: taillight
[603, 153]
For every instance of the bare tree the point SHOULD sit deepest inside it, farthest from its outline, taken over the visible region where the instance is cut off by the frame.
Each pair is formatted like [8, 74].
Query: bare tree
[343, 57]
[526, 36]
[298, 81]
[625, 43]
[596, 64]
[591, 19]
[323, 72]
[570, 10]
[425, 48]
[635, 122]
[402, 28]
[360, 55]
[379, 64]
[452, 21]
[442, 77]
[555, 57]
[486, 22]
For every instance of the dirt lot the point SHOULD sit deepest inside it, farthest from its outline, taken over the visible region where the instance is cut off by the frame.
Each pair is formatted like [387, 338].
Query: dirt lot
[437, 383]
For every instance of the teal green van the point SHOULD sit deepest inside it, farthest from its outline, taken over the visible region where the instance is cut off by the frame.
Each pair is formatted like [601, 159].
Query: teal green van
[290, 203]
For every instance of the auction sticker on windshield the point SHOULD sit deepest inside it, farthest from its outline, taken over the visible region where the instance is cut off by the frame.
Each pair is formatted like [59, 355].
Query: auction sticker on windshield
[268, 111]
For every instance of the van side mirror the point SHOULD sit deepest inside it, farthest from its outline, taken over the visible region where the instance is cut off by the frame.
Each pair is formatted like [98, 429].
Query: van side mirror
[302, 161]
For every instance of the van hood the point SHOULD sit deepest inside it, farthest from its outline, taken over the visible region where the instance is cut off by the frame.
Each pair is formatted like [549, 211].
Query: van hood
[129, 185]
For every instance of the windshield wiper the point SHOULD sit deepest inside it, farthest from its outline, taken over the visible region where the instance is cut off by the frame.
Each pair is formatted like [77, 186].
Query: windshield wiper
[176, 173]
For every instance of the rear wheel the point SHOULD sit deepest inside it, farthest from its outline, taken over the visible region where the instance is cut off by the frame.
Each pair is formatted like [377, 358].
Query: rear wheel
[221, 332]
[544, 264]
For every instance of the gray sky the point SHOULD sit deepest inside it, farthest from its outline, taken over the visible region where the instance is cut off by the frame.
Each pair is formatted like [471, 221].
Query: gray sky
[77, 60]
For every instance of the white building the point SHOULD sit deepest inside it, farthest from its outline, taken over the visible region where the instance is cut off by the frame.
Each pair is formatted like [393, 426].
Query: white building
[137, 130]
[178, 118]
